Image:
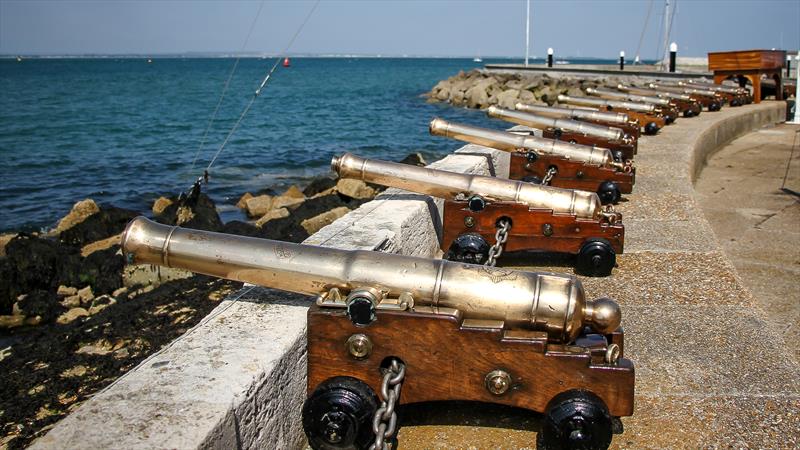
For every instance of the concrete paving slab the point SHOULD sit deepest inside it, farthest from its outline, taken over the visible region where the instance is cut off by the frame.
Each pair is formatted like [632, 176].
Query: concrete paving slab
[659, 206]
[707, 350]
[671, 279]
[665, 236]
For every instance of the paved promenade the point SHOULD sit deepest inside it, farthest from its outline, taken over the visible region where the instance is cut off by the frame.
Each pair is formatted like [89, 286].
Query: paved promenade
[756, 223]
[712, 369]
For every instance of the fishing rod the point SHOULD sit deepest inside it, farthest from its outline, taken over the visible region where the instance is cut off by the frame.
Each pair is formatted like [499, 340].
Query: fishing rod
[191, 195]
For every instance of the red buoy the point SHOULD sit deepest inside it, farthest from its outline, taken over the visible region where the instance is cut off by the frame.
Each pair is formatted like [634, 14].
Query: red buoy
[285, 62]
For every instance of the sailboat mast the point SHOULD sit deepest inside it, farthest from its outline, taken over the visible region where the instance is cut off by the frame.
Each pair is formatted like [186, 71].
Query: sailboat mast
[666, 32]
[527, 31]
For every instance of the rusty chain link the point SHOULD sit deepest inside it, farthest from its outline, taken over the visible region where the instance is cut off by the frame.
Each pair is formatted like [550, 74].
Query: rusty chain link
[500, 240]
[384, 422]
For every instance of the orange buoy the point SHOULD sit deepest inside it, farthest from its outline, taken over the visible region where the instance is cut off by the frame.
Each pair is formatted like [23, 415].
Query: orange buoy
[285, 62]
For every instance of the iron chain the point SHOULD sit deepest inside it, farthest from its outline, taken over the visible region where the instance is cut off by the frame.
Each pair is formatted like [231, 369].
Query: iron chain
[500, 237]
[551, 172]
[384, 422]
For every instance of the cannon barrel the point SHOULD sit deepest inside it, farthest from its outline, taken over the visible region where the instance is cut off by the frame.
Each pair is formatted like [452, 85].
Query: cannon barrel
[715, 87]
[511, 142]
[628, 96]
[683, 89]
[574, 113]
[587, 101]
[545, 302]
[542, 122]
[654, 92]
[443, 184]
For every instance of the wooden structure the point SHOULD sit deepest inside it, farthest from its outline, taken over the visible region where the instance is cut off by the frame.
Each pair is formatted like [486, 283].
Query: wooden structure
[448, 358]
[572, 174]
[537, 230]
[626, 149]
[751, 65]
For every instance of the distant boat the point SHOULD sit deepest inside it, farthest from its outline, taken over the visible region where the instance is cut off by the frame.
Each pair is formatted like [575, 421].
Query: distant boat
[561, 61]
[19, 58]
[286, 62]
[149, 61]
[477, 59]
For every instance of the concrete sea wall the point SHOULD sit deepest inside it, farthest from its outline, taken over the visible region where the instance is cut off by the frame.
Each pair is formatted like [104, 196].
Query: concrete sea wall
[237, 380]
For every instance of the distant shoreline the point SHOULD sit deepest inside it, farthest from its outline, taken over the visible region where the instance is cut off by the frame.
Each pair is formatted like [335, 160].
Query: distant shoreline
[261, 56]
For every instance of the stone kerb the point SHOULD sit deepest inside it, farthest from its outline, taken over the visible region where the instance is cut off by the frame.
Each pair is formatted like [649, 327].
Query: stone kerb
[237, 379]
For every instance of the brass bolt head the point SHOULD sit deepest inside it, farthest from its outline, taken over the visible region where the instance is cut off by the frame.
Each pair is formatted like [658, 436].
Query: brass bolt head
[469, 221]
[498, 382]
[359, 346]
[547, 229]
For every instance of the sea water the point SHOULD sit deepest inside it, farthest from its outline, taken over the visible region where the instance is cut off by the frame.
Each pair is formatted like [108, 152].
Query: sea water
[125, 131]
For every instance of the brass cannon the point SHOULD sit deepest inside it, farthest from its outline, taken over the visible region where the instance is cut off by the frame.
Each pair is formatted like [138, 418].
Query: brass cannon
[688, 106]
[623, 146]
[662, 107]
[630, 126]
[557, 163]
[645, 114]
[532, 217]
[709, 99]
[377, 312]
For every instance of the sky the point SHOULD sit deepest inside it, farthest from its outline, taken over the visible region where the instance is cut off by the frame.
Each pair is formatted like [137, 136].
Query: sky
[598, 28]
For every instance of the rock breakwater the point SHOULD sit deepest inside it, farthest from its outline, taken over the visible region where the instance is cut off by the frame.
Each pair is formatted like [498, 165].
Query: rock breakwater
[480, 89]
[73, 317]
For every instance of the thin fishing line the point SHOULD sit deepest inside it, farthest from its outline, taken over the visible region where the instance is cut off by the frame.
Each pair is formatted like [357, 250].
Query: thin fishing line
[261, 87]
[225, 88]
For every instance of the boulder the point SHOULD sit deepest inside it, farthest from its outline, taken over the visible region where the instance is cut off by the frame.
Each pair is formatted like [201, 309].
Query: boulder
[72, 315]
[198, 212]
[80, 212]
[7, 321]
[355, 189]
[88, 249]
[414, 159]
[35, 263]
[41, 303]
[242, 203]
[476, 97]
[66, 291]
[274, 214]
[319, 184]
[575, 92]
[86, 295]
[457, 98]
[515, 84]
[100, 303]
[284, 201]
[318, 205]
[284, 229]
[72, 301]
[102, 271]
[526, 97]
[4, 240]
[293, 192]
[109, 221]
[508, 99]
[161, 204]
[314, 224]
[240, 228]
[258, 206]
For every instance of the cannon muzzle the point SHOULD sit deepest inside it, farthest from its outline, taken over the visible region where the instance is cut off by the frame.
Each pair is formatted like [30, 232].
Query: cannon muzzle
[449, 185]
[511, 142]
[543, 122]
[545, 302]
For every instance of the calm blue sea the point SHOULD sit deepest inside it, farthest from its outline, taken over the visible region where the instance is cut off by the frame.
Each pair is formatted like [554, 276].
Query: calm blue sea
[124, 132]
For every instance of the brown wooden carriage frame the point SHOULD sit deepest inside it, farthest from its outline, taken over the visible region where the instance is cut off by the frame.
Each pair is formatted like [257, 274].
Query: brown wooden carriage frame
[609, 183]
[449, 358]
[595, 242]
